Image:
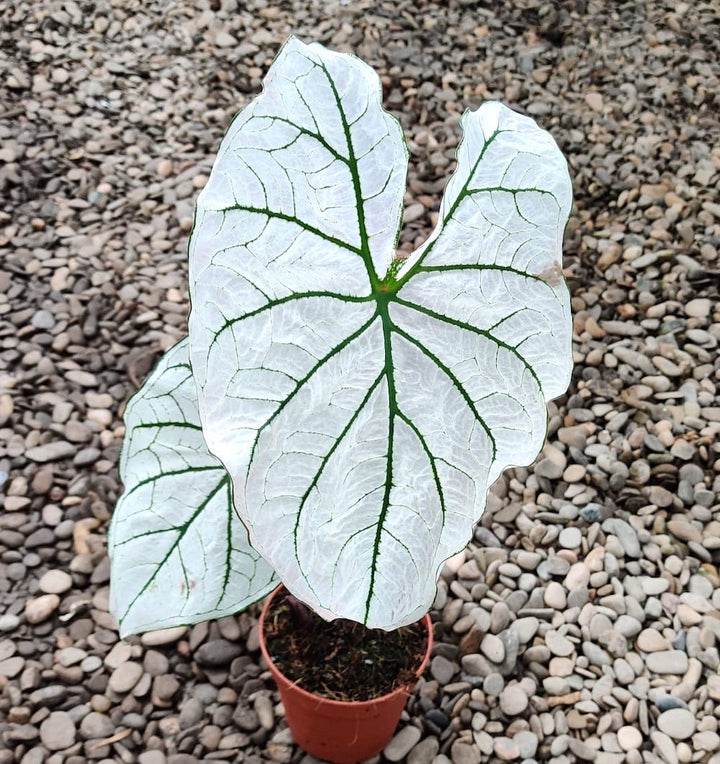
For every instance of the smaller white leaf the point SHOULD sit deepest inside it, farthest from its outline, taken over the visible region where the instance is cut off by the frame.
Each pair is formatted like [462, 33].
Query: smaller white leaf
[179, 554]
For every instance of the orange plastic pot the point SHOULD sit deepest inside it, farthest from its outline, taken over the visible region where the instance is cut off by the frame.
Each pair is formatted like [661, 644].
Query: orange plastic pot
[339, 731]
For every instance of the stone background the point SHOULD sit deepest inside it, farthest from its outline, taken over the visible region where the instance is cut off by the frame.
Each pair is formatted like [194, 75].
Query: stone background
[582, 623]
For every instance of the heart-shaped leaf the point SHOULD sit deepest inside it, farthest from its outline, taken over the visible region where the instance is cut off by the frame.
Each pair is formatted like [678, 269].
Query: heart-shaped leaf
[363, 405]
[178, 552]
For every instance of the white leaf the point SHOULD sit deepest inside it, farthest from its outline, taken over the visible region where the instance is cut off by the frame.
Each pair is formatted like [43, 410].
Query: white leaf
[362, 413]
[179, 554]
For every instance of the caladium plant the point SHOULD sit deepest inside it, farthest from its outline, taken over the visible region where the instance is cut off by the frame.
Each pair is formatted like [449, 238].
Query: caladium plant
[351, 408]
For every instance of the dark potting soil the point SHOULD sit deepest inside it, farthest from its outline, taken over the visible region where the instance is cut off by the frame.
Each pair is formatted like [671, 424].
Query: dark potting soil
[341, 660]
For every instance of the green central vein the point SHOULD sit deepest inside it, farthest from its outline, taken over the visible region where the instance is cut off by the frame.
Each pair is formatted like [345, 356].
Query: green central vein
[389, 373]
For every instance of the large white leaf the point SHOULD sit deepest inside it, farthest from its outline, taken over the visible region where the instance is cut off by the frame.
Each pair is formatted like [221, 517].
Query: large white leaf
[179, 554]
[363, 411]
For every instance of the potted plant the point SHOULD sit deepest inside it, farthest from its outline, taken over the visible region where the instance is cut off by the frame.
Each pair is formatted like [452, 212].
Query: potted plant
[336, 415]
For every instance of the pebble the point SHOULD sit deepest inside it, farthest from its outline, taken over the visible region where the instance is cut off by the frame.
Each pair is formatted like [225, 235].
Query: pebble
[667, 662]
[629, 738]
[493, 648]
[584, 567]
[651, 641]
[677, 723]
[40, 608]
[463, 753]
[555, 596]
[424, 752]
[58, 731]
[9, 622]
[55, 582]
[161, 637]
[513, 700]
[570, 538]
[125, 677]
[558, 644]
[54, 451]
[506, 749]
[401, 743]
[442, 669]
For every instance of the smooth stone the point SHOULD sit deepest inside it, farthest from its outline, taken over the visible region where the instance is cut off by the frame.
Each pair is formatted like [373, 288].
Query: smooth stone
[652, 641]
[629, 738]
[558, 644]
[506, 749]
[667, 662]
[401, 744]
[570, 538]
[11, 667]
[442, 669]
[163, 636]
[96, 725]
[424, 752]
[493, 648]
[555, 596]
[57, 732]
[578, 576]
[41, 608]
[125, 677]
[9, 622]
[527, 743]
[677, 723]
[51, 452]
[464, 753]
[55, 582]
[476, 665]
[513, 700]
[625, 534]
[493, 684]
[217, 652]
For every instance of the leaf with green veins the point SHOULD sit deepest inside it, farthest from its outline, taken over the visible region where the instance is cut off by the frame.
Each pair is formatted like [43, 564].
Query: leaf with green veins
[179, 554]
[362, 409]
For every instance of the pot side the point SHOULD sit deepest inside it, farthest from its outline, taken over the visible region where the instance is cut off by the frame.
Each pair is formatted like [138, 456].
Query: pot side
[343, 732]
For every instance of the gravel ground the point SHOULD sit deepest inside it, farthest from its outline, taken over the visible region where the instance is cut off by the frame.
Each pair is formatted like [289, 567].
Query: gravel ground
[582, 624]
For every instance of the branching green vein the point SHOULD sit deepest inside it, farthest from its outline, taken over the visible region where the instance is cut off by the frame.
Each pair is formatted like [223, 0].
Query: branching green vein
[341, 435]
[430, 456]
[309, 133]
[228, 548]
[170, 473]
[275, 215]
[281, 301]
[301, 382]
[455, 382]
[470, 328]
[185, 425]
[463, 194]
[182, 531]
[357, 188]
[481, 267]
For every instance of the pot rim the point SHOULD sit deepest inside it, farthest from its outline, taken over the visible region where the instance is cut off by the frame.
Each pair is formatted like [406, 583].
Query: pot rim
[404, 689]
